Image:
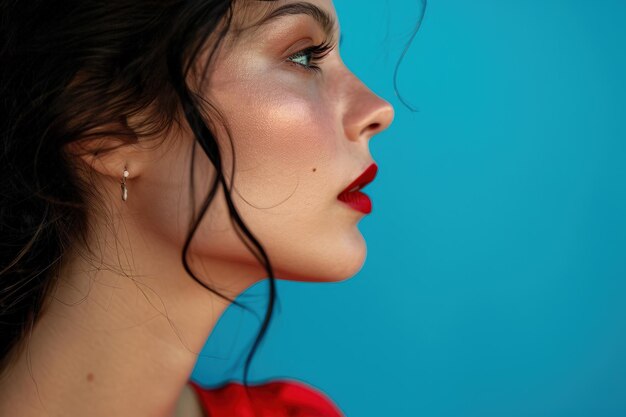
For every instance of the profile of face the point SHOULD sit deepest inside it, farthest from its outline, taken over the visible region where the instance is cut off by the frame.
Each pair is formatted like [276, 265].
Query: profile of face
[299, 129]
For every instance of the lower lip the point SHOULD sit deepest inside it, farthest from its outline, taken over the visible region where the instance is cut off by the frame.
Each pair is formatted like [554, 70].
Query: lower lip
[357, 200]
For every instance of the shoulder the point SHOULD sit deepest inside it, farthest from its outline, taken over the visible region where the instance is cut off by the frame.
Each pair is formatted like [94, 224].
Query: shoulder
[189, 403]
[276, 398]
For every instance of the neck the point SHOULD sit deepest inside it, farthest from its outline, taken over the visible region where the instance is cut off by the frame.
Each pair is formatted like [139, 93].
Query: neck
[116, 345]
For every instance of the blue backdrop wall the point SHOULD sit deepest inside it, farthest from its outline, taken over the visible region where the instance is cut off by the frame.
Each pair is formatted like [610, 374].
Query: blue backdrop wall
[495, 280]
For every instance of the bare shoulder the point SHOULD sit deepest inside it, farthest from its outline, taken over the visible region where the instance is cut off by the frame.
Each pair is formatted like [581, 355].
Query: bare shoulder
[189, 404]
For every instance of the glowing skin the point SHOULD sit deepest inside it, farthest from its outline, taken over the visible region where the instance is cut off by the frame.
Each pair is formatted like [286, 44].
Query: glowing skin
[299, 138]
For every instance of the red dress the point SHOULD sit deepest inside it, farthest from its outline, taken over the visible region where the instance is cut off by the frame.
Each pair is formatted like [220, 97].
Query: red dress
[278, 398]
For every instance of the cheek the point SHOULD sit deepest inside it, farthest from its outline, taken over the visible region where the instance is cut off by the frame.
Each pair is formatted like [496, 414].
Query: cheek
[288, 129]
[277, 114]
[279, 131]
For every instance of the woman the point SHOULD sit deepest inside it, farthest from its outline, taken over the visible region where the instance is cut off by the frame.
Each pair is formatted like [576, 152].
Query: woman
[137, 136]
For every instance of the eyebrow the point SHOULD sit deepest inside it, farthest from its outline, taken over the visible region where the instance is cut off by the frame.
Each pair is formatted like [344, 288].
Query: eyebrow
[326, 21]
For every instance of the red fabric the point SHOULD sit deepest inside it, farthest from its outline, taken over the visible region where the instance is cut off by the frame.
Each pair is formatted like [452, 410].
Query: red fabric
[278, 398]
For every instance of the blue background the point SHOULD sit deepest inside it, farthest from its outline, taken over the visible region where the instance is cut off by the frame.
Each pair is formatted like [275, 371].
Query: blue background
[495, 281]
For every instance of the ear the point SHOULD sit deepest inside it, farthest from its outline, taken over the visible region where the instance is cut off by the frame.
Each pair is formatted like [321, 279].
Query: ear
[108, 150]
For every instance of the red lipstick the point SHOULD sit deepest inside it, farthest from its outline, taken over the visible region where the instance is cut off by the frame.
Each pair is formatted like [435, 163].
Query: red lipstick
[355, 198]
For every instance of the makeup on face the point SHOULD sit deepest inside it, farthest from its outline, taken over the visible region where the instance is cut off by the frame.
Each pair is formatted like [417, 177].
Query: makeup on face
[352, 195]
[301, 136]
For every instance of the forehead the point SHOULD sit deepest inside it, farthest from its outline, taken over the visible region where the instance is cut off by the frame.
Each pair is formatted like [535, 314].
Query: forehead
[251, 15]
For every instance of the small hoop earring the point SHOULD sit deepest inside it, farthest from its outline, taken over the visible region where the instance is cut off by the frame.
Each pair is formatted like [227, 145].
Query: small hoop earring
[123, 183]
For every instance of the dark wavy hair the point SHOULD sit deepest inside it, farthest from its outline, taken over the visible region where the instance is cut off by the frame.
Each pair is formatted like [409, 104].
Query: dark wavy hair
[67, 68]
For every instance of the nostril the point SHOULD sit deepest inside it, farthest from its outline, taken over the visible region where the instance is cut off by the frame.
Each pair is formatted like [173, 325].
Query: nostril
[372, 128]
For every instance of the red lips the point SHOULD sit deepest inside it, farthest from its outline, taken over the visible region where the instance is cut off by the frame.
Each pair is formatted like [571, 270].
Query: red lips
[365, 178]
[352, 195]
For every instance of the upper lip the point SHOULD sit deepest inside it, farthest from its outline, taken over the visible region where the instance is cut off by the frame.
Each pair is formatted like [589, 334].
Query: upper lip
[365, 178]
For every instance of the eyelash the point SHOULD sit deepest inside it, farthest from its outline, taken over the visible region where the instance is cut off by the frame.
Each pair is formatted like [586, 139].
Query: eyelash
[317, 53]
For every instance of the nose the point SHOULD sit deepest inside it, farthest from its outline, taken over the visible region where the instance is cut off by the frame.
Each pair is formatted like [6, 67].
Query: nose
[366, 113]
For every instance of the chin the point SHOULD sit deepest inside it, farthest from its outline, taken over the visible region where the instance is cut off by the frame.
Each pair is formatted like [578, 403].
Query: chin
[329, 269]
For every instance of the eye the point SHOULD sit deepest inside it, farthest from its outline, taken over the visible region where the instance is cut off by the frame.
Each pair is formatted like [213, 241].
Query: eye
[303, 59]
[307, 58]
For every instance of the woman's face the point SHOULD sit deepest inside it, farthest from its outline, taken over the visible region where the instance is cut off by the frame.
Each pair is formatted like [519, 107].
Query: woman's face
[299, 136]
